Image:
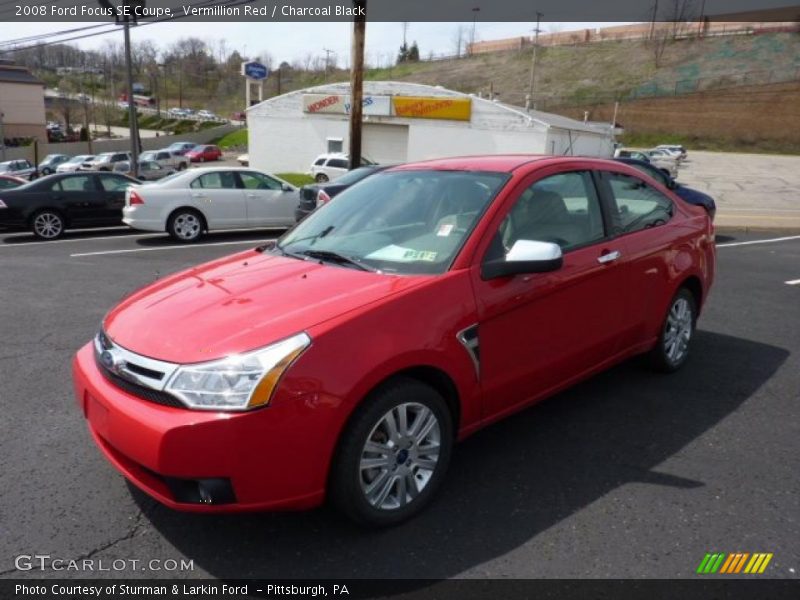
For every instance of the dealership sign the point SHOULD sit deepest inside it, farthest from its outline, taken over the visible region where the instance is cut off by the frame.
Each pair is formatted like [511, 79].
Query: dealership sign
[420, 107]
[254, 70]
[339, 104]
[410, 107]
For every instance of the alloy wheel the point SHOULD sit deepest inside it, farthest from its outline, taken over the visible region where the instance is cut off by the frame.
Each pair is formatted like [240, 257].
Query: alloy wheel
[48, 225]
[400, 456]
[187, 226]
[678, 330]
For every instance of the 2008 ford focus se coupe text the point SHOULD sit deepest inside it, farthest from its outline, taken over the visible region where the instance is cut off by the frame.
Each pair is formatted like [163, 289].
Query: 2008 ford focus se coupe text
[427, 301]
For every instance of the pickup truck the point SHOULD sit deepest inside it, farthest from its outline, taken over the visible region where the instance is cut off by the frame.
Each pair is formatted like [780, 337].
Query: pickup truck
[166, 158]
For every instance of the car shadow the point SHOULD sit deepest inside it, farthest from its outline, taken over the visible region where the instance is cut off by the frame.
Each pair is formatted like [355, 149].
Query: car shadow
[506, 484]
[257, 236]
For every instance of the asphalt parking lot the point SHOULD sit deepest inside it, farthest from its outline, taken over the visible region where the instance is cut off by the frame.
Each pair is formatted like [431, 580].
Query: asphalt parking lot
[630, 474]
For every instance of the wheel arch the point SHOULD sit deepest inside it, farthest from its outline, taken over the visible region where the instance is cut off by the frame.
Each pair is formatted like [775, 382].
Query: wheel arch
[695, 286]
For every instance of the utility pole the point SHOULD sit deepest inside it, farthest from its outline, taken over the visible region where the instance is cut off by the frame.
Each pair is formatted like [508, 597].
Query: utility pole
[133, 125]
[475, 12]
[357, 81]
[529, 103]
[327, 61]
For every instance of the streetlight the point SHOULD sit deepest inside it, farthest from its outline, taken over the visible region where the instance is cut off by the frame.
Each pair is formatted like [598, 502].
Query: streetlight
[475, 12]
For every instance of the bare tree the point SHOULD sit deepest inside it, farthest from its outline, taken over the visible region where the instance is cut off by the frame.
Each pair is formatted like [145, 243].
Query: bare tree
[459, 39]
[669, 24]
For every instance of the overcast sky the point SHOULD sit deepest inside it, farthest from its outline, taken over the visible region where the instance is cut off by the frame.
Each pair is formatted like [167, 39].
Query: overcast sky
[290, 41]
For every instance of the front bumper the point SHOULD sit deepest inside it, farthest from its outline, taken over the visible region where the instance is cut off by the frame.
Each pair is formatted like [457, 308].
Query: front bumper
[266, 456]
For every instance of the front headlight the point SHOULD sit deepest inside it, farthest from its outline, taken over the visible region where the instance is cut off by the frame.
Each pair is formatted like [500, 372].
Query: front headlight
[238, 382]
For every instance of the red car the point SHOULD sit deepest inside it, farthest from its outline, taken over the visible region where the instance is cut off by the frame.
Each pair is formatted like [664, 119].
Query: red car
[9, 181]
[202, 153]
[344, 360]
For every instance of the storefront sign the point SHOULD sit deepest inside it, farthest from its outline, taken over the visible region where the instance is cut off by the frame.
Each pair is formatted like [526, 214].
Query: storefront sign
[340, 104]
[419, 107]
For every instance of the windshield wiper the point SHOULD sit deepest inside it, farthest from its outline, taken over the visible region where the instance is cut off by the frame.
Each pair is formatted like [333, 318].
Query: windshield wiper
[327, 255]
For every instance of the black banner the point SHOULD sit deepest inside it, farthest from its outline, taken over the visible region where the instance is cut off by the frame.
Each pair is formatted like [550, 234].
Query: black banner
[405, 10]
[458, 589]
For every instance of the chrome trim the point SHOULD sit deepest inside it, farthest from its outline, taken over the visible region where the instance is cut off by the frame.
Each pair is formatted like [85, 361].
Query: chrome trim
[471, 345]
[116, 359]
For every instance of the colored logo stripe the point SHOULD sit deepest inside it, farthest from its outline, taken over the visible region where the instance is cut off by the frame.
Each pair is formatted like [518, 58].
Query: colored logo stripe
[723, 563]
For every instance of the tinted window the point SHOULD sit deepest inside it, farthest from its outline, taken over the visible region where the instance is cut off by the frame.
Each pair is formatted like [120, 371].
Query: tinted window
[215, 180]
[257, 181]
[638, 206]
[6, 184]
[351, 177]
[319, 162]
[338, 163]
[163, 155]
[563, 209]
[653, 172]
[81, 183]
[113, 184]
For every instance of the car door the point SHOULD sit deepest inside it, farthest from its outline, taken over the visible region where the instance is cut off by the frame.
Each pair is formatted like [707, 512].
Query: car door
[639, 213]
[267, 203]
[218, 196]
[113, 190]
[79, 197]
[537, 332]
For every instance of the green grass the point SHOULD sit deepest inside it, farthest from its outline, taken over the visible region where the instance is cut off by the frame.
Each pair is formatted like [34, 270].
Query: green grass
[694, 142]
[297, 179]
[234, 140]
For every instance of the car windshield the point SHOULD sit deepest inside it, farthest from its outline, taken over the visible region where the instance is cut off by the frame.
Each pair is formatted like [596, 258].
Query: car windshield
[409, 222]
[5, 167]
[150, 155]
[353, 176]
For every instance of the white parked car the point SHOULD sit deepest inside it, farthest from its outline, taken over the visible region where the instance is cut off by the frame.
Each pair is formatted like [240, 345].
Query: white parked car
[243, 159]
[673, 150]
[327, 167]
[190, 203]
[206, 114]
[166, 158]
[74, 163]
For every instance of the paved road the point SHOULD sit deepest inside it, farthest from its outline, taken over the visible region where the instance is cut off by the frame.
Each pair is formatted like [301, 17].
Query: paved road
[756, 191]
[630, 474]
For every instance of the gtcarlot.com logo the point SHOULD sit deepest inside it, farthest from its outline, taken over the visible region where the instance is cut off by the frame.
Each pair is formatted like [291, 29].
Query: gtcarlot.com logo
[734, 563]
[45, 562]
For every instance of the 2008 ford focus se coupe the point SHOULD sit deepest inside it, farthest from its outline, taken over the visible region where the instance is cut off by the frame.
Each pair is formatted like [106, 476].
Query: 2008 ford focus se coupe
[344, 360]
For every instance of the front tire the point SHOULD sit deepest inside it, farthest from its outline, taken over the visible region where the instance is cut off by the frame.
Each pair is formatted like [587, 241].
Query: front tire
[185, 225]
[47, 224]
[393, 454]
[672, 349]
[321, 178]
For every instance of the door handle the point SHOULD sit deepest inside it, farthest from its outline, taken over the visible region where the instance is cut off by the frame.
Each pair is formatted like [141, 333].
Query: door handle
[609, 257]
[198, 195]
[251, 195]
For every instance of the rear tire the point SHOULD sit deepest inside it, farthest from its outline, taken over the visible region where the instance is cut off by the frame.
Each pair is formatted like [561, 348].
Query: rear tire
[186, 225]
[321, 178]
[672, 349]
[404, 430]
[47, 224]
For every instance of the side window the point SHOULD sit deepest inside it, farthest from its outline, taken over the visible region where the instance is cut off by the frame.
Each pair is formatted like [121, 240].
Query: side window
[113, 184]
[319, 162]
[638, 206]
[563, 209]
[257, 181]
[216, 180]
[82, 183]
[338, 163]
[56, 187]
[163, 156]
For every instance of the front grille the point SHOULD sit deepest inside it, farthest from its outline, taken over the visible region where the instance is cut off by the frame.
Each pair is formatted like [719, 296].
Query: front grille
[140, 391]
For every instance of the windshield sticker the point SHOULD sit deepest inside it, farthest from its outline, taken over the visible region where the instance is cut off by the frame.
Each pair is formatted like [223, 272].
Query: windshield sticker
[400, 254]
[445, 230]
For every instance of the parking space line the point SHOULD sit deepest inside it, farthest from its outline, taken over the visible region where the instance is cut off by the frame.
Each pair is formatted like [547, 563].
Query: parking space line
[792, 282]
[253, 243]
[751, 242]
[44, 244]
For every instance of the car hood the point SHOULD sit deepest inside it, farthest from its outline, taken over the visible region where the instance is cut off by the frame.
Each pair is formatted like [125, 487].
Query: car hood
[241, 303]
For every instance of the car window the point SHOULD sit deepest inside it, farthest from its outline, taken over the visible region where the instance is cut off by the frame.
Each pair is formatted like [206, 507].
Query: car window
[257, 181]
[5, 184]
[319, 162]
[163, 156]
[81, 183]
[113, 184]
[400, 222]
[338, 163]
[653, 172]
[563, 209]
[216, 180]
[637, 205]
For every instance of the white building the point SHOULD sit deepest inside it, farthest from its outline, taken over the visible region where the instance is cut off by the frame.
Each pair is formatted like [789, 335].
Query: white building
[407, 122]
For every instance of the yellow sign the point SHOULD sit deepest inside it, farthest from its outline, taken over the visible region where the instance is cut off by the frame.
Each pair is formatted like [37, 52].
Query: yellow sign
[420, 107]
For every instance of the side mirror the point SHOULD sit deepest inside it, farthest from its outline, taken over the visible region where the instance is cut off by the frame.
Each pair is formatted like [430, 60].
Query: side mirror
[286, 188]
[525, 256]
